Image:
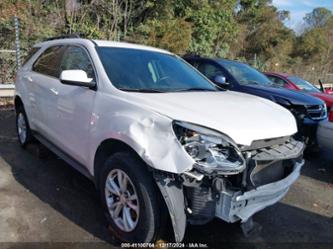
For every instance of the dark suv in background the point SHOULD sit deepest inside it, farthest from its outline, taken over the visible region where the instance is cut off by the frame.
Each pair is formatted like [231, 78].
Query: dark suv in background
[296, 83]
[240, 77]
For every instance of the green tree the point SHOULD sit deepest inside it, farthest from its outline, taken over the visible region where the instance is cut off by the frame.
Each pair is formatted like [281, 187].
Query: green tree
[171, 34]
[214, 26]
[315, 47]
[266, 38]
[317, 18]
[206, 27]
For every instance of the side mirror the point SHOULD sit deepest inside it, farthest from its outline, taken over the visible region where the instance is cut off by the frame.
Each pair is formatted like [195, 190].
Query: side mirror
[76, 78]
[220, 81]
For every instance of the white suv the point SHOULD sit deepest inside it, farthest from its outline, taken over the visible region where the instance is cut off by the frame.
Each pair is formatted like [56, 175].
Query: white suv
[158, 139]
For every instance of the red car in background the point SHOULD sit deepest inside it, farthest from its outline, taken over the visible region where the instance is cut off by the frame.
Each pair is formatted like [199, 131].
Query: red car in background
[296, 83]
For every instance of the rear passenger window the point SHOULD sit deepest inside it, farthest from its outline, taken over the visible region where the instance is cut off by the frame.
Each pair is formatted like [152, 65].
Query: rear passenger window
[277, 81]
[77, 58]
[48, 63]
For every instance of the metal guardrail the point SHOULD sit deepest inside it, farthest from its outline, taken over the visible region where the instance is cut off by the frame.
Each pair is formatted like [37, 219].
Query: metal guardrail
[7, 90]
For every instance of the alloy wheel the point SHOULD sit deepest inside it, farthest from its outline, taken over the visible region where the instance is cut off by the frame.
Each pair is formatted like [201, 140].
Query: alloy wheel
[122, 200]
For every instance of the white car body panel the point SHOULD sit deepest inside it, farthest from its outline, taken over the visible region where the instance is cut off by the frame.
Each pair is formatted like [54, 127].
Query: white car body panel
[325, 135]
[148, 133]
[74, 107]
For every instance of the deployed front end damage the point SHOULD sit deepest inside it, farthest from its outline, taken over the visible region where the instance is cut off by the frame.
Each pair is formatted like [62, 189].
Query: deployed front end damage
[228, 181]
[267, 178]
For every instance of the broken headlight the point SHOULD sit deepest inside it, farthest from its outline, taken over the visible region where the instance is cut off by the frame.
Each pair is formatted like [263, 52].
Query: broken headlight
[213, 152]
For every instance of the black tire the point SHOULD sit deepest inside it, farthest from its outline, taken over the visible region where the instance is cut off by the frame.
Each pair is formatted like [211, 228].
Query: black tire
[20, 113]
[152, 214]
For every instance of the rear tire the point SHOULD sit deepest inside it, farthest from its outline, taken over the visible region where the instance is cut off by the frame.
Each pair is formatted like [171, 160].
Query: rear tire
[22, 127]
[131, 199]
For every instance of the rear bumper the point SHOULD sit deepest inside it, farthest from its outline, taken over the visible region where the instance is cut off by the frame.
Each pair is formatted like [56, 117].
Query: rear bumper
[235, 206]
[325, 135]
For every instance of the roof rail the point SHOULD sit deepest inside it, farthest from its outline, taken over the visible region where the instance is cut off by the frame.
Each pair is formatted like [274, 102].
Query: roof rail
[68, 36]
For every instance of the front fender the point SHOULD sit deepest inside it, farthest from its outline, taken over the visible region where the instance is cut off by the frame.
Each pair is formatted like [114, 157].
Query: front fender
[148, 133]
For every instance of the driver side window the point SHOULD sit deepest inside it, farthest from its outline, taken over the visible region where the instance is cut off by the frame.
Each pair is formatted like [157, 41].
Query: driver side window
[210, 70]
[77, 58]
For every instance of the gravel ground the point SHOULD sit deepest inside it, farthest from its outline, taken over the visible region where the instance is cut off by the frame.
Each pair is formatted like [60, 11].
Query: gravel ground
[44, 203]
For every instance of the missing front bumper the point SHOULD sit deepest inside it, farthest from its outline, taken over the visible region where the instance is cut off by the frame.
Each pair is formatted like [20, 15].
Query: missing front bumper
[234, 206]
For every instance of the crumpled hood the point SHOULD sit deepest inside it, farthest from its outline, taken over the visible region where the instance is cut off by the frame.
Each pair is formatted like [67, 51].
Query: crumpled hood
[242, 117]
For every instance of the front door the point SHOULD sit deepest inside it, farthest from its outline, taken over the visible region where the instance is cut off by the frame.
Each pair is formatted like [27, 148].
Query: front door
[75, 106]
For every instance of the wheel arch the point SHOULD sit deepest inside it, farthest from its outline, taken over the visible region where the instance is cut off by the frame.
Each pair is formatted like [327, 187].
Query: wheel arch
[107, 148]
[18, 102]
[111, 146]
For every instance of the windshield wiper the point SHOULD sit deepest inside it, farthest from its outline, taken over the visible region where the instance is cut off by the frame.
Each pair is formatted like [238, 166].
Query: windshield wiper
[140, 90]
[196, 89]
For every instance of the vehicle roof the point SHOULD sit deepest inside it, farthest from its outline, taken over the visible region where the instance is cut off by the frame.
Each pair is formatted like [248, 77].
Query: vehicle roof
[103, 43]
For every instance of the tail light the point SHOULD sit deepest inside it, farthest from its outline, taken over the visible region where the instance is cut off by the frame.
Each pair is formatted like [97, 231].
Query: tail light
[330, 116]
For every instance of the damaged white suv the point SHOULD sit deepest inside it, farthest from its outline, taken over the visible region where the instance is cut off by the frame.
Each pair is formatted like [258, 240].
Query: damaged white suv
[159, 140]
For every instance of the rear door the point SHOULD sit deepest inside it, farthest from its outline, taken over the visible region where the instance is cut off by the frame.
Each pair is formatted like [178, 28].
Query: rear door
[45, 77]
[27, 88]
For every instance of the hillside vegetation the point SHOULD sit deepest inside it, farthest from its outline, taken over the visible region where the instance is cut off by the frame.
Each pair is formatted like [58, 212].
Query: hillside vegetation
[248, 30]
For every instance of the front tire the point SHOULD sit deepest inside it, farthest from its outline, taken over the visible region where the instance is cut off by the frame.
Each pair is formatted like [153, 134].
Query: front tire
[131, 199]
[22, 127]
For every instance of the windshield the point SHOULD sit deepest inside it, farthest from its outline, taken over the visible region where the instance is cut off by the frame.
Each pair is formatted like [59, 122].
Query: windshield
[149, 71]
[245, 74]
[303, 84]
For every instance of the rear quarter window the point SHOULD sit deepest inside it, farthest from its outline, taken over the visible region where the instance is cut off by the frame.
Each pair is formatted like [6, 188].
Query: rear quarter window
[31, 53]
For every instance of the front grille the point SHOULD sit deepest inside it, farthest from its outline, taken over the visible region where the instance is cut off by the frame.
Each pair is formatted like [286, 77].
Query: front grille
[316, 112]
[292, 149]
[264, 143]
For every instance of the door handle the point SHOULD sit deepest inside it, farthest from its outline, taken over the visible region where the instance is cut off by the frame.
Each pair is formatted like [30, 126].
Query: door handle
[28, 78]
[54, 91]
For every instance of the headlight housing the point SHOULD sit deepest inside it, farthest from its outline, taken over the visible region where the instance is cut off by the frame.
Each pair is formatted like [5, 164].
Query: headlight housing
[213, 152]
